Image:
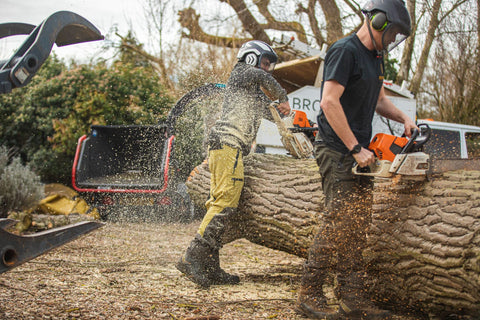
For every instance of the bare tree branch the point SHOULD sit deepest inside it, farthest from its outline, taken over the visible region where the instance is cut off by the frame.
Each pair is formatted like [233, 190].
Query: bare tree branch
[310, 12]
[159, 62]
[333, 19]
[355, 8]
[278, 25]
[406, 61]
[190, 20]
[249, 23]
[422, 63]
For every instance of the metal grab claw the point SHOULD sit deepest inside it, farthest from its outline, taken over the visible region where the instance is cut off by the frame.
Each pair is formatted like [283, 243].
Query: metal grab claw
[15, 249]
[62, 27]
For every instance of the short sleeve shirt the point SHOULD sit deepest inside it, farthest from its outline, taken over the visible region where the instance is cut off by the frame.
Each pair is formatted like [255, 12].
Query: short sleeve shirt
[360, 72]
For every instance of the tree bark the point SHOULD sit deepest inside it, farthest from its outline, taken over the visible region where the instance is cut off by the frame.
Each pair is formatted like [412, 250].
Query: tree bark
[333, 20]
[406, 61]
[423, 246]
[422, 63]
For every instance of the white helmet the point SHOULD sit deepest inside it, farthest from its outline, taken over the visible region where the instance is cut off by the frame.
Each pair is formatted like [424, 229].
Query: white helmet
[252, 52]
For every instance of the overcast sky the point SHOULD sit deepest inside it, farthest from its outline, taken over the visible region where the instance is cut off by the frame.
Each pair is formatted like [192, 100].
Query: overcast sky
[101, 13]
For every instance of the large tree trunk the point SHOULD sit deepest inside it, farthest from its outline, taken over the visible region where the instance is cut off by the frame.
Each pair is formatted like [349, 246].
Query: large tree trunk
[424, 242]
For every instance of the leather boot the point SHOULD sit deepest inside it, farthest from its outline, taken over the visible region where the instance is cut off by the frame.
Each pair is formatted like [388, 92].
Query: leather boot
[311, 300]
[354, 300]
[197, 262]
[217, 275]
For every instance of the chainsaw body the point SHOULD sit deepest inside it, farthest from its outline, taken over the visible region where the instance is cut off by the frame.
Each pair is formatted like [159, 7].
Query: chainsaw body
[398, 155]
[296, 143]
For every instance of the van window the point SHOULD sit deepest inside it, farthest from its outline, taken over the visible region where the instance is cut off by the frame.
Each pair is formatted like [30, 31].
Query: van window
[444, 144]
[473, 144]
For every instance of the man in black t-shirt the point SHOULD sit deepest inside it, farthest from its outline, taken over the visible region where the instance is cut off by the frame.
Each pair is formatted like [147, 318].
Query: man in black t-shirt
[352, 91]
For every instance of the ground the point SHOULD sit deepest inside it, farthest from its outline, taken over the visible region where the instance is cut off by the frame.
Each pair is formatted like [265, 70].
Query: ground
[126, 271]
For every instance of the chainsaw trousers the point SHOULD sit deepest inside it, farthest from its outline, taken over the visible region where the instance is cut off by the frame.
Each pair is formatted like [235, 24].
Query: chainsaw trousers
[339, 243]
[226, 184]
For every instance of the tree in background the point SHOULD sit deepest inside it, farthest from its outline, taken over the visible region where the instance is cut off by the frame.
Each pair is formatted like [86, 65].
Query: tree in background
[452, 92]
[319, 22]
[43, 121]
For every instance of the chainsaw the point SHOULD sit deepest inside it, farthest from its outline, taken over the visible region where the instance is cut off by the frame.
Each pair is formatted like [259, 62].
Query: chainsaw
[398, 155]
[296, 143]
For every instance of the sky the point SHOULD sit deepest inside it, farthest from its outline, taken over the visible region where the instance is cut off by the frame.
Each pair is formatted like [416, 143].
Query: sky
[101, 13]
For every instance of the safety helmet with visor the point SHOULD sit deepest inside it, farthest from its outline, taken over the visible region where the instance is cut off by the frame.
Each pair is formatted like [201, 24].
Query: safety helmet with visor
[392, 18]
[258, 54]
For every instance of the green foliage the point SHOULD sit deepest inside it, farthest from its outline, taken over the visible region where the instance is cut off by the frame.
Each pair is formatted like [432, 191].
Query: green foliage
[20, 188]
[45, 119]
[390, 69]
[192, 129]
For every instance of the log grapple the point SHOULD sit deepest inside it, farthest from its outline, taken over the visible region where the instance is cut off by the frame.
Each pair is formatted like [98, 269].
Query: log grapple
[62, 28]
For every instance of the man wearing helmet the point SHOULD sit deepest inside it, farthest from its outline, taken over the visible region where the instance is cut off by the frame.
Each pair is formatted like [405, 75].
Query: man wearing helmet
[352, 91]
[230, 139]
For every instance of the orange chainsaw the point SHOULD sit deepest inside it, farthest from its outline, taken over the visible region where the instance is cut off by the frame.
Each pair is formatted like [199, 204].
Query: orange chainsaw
[296, 143]
[398, 155]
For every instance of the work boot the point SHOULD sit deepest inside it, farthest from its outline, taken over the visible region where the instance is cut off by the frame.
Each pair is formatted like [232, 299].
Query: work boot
[354, 300]
[197, 263]
[311, 301]
[217, 275]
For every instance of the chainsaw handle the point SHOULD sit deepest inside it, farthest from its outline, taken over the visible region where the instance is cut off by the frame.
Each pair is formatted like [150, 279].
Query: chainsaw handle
[298, 129]
[424, 133]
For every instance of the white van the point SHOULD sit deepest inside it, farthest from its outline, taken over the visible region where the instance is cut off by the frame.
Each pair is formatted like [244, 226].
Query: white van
[452, 141]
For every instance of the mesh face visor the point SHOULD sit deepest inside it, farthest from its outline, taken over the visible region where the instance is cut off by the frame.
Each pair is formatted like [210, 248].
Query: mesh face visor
[392, 36]
[267, 63]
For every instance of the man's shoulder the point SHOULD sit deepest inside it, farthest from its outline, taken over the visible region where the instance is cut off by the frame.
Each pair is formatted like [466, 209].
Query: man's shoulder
[347, 42]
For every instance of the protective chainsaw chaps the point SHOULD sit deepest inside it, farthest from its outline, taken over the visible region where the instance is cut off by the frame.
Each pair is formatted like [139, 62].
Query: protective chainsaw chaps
[296, 143]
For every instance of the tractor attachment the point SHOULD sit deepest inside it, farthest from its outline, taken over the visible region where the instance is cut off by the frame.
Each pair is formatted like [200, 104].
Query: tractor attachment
[15, 249]
[62, 28]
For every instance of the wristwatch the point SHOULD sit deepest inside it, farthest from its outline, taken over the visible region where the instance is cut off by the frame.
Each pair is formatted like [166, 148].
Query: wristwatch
[355, 149]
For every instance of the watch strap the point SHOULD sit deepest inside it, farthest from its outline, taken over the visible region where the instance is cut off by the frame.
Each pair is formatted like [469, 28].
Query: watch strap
[356, 149]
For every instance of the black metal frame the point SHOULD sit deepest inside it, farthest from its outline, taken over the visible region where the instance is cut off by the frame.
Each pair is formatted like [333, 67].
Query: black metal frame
[62, 28]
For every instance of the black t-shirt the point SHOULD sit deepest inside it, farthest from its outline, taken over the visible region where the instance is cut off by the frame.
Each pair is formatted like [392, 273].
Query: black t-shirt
[360, 71]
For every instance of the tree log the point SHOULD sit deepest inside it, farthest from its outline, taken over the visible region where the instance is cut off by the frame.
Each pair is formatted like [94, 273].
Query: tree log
[423, 245]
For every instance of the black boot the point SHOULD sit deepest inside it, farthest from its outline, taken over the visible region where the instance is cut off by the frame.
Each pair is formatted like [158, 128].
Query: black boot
[217, 275]
[311, 300]
[354, 300]
[197, 263]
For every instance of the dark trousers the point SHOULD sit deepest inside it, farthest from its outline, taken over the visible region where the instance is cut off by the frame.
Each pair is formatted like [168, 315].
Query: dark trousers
[339, 243]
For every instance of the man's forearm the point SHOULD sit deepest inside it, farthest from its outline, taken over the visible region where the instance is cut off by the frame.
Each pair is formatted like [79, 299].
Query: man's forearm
[387, 109]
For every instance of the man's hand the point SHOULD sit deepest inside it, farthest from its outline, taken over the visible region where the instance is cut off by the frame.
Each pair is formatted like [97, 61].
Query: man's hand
[284, 108]
[364, 158]
[409, 126]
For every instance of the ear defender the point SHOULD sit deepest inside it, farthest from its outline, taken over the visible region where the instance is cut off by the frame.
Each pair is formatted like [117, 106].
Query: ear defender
[379, 21]
[251, 59]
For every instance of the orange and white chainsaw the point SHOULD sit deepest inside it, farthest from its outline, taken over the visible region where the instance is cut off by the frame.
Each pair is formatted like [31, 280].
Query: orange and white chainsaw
[296, 143]
[398, 155]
